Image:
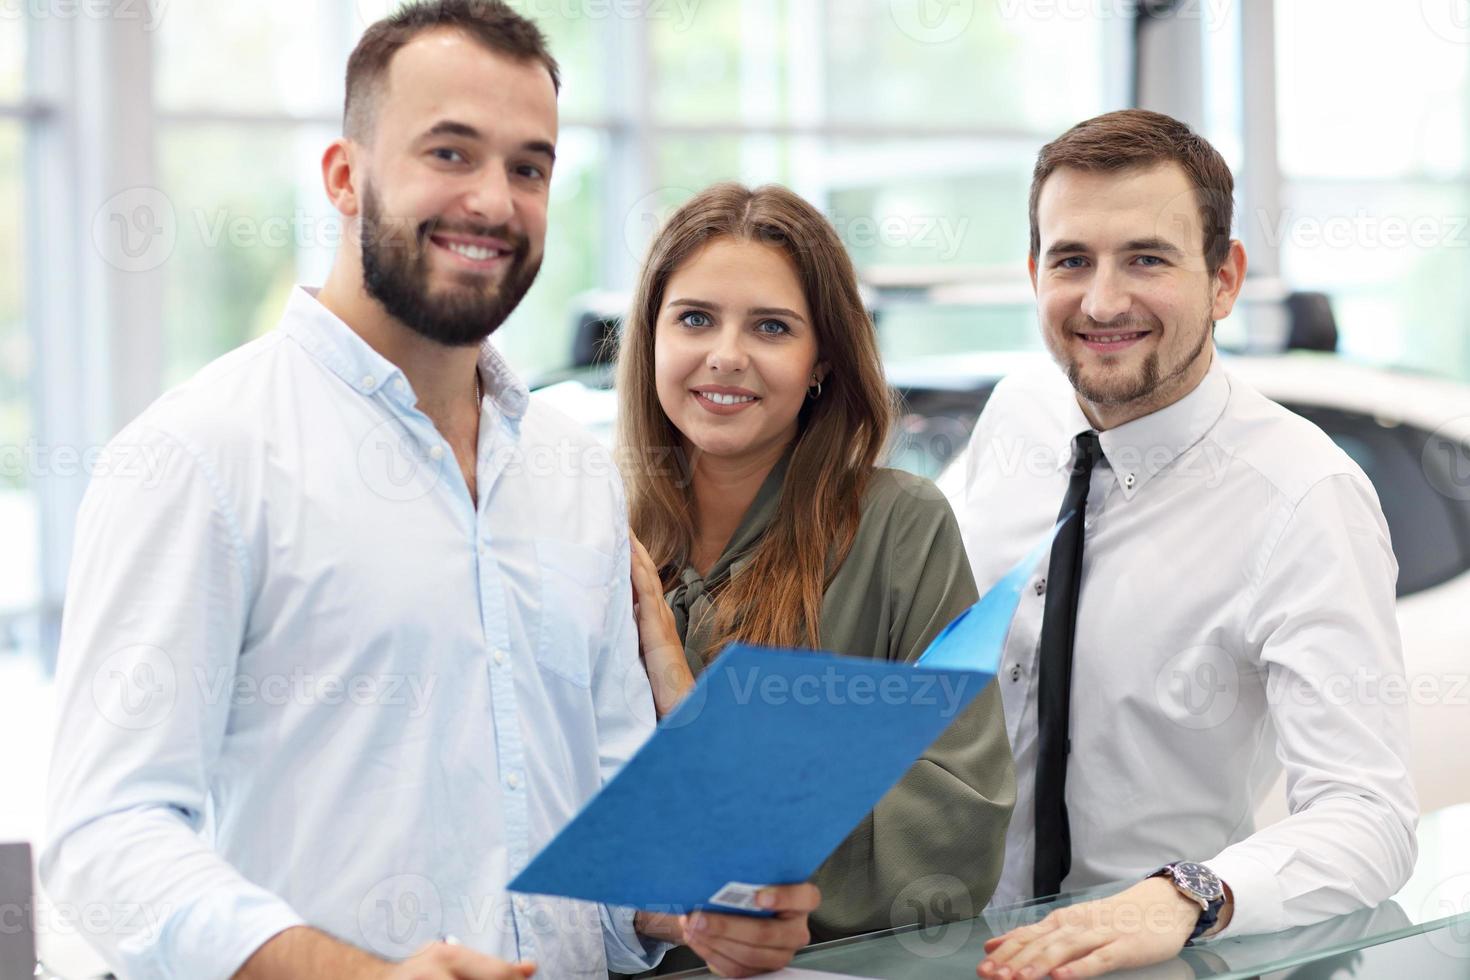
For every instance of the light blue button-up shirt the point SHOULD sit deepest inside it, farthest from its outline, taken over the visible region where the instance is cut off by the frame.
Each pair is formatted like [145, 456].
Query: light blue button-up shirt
[304, 679]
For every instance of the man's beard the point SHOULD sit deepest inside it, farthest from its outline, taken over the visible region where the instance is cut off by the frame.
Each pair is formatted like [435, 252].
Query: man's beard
[1115, 387]
[395, 272]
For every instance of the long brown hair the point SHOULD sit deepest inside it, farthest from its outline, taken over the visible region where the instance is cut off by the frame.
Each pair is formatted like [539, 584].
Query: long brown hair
[777, 599]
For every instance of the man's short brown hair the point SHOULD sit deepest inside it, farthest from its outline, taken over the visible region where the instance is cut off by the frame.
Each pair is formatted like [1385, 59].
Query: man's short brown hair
[490, 22]
[1131, 138]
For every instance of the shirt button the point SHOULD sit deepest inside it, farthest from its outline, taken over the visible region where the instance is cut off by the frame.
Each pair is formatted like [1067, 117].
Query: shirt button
[1041, 586]
[398, 385]
[369, 382]
[436, 453]
[1015, 672]
[499, 657]
[1129, 480]
[513, 780]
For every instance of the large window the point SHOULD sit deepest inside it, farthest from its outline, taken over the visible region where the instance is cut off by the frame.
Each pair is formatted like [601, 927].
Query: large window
[912, 128]
[241, 128]
[1376, 174]
[247, 221]
[240, 141]
[12, 58]
[911, 124]
[20, 568]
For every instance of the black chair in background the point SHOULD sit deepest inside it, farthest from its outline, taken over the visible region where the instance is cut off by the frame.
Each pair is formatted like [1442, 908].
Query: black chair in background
[1312, 325]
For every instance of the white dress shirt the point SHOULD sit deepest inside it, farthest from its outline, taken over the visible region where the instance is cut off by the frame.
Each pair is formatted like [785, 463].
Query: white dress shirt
[304, 679]
[1236, 614]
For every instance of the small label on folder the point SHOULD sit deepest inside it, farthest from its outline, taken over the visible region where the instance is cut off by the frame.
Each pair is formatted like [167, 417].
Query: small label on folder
[737, 895]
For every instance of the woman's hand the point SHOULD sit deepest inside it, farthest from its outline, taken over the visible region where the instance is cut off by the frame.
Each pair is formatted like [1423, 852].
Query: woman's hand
[658, 638]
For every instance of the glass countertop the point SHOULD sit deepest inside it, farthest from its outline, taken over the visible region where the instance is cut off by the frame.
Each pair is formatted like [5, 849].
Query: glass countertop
[1428, 923]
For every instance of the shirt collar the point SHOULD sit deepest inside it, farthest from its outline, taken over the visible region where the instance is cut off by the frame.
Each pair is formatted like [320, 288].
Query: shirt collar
[340, 349]
[1139, 450]
[1074, 422]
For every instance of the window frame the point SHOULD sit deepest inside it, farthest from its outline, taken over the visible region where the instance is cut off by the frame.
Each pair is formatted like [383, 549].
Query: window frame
[92, 123]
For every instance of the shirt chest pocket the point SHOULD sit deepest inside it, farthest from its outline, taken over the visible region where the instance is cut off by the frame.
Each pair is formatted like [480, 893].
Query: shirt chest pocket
[574, 594]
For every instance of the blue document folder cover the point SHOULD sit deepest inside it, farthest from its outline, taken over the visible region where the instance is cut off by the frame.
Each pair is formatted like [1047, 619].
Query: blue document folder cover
[766, 766]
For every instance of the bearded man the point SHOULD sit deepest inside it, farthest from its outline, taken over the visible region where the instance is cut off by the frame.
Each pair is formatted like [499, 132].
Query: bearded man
[329, 681]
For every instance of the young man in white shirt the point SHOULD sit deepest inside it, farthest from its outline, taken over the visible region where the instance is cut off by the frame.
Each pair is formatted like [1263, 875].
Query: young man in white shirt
[331, 677]
[1224, 563]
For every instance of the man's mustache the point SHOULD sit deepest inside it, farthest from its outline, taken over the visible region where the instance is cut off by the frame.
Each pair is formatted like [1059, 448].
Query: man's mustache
[517, 241]
[1127, 324]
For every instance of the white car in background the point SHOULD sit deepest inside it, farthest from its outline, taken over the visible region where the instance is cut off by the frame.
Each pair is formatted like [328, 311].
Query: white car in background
[1409, 433]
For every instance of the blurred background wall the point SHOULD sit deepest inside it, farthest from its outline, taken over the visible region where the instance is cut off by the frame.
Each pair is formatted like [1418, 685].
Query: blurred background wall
[160, 191]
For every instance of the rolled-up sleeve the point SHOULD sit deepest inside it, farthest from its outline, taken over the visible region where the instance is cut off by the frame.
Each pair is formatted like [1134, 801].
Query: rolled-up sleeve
[157, 601]
[1323, 619]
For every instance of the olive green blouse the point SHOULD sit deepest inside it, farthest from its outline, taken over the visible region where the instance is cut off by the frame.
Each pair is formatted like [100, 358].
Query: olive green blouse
[935, 842]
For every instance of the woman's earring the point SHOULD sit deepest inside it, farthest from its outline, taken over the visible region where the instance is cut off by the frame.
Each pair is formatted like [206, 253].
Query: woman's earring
[818, 386]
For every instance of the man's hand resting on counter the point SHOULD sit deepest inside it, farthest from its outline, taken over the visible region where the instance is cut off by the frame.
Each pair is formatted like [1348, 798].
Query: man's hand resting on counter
[1146, 924]
[742, 945]
[308, 954]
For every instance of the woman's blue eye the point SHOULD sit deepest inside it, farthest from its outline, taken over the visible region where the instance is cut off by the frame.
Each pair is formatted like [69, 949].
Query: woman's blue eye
[777, 324]
[694, 318]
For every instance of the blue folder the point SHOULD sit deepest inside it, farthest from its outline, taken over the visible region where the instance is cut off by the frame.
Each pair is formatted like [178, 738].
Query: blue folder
[766, 766]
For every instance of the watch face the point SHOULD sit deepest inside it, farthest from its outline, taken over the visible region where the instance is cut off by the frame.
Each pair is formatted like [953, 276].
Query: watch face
[1198, 879]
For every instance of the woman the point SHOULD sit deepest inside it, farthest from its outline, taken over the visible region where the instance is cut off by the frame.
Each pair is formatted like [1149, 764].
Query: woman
[748, 357]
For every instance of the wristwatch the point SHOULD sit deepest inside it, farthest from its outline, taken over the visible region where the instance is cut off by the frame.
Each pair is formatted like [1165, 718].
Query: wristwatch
[1200, 884]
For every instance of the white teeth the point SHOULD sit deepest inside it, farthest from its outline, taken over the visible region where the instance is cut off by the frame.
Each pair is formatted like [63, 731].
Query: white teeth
[473, 252]
[727, 399]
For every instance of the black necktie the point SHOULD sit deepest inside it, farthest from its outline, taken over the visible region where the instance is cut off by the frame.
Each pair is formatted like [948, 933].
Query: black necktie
[1054, 694]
